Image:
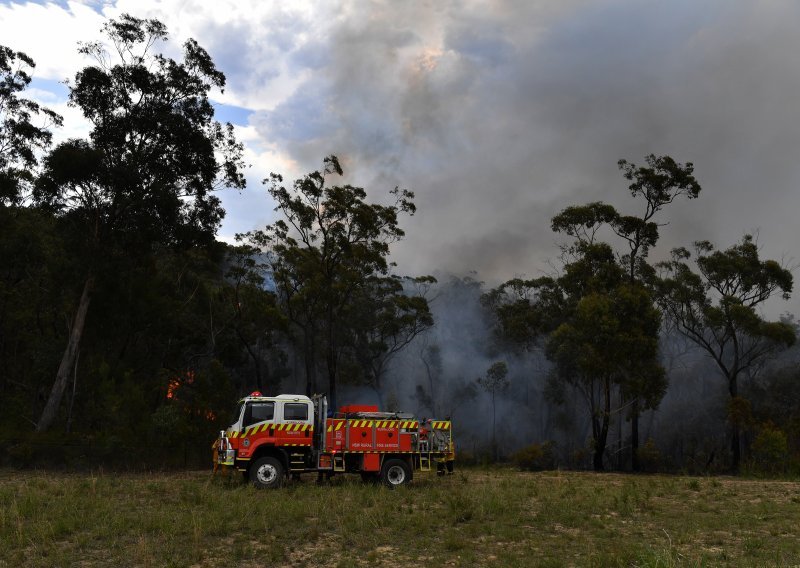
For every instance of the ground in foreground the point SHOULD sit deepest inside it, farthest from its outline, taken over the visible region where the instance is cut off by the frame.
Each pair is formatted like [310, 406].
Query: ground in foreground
[474, 517]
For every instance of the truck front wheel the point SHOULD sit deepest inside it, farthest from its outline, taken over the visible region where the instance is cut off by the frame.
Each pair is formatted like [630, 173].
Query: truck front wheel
[267, 473]
[395, 472]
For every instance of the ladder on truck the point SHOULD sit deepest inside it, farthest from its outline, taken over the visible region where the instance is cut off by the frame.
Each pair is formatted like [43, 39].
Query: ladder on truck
[424, 449]
[297, 462]
[338, 462]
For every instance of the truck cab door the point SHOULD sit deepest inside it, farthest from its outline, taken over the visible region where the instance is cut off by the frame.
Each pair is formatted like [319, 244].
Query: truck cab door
[295, 425]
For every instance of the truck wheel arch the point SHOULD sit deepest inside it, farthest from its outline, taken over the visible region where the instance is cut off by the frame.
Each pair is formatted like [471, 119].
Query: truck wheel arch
[270, 451]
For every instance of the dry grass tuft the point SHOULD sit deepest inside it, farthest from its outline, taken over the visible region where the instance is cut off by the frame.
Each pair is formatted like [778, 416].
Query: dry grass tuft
[496, 517]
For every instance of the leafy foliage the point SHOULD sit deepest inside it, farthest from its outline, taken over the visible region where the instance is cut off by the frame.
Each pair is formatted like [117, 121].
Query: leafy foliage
[715, 305]
[606, 339]
[145, 178]
[328, 261]
[770, 450]
[155, 154]
[536, 457]
[20, 137]
[597, 320]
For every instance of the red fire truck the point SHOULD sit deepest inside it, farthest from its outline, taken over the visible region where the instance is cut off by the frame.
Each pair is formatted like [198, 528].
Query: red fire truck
[277, 436]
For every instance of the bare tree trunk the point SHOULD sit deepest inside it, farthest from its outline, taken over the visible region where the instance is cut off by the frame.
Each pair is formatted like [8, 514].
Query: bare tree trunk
[253, 355]
[619, 442]
[74, 391]
[494, 429]
[600, 445]
[736, 446]
[331, 359]
[635, 436]
[736, 450]
[332, 390]
[429, 373]
[309, 353]
[601, 429]
[67, 361]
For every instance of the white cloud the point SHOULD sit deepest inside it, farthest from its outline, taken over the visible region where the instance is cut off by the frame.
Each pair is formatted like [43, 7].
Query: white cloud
[266, 48]
[49, 34]
[258, 44]
[42, 96]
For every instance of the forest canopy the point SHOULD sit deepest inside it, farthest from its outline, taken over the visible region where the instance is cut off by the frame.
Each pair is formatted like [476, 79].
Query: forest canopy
[128, 329]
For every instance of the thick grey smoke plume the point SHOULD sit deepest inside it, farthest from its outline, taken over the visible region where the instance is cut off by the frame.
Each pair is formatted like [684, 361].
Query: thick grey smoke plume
[499, 114]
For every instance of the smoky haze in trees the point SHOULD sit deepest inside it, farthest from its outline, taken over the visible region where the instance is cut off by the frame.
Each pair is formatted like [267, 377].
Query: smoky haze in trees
[181, 325]
[327, 258]
[688, 430]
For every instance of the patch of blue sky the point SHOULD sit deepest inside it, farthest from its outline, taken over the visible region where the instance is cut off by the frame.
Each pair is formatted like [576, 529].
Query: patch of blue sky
[230, 113]
[96, 5]
[58, 89]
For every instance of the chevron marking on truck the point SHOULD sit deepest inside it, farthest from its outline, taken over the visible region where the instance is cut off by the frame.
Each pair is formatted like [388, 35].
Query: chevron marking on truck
[293, 427]
[249, 431]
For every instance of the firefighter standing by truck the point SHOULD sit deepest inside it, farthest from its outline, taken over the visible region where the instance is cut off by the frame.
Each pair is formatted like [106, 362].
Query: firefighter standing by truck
[274, 437]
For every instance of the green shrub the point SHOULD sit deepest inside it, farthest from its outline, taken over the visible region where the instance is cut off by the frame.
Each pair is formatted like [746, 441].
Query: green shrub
[536, 457]
[466, 458]
[770, 450]
[649, 456]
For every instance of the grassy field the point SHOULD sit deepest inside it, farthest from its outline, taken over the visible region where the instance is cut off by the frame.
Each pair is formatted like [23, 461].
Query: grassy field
[474, 517]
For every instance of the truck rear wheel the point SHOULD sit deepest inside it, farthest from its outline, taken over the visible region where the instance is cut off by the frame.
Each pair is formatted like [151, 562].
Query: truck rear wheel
[395, 472]
[267, 473]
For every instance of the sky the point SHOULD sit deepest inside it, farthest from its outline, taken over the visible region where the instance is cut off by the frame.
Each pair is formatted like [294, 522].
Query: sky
[496, 113]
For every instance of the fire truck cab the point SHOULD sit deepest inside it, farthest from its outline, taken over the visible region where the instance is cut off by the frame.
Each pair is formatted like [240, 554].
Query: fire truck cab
[288, 434]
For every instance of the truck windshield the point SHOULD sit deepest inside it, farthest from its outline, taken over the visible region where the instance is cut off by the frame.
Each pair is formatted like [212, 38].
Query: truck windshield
[258, 411]
[237, 413]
